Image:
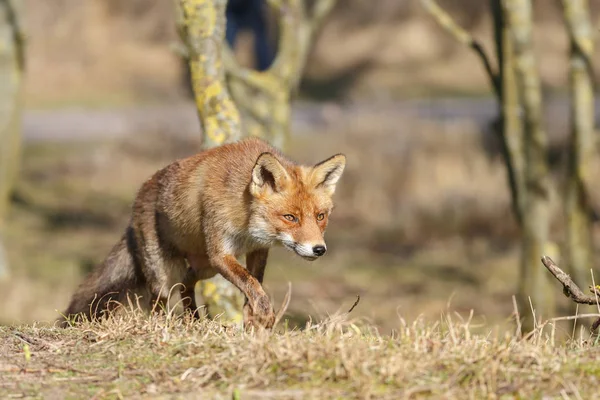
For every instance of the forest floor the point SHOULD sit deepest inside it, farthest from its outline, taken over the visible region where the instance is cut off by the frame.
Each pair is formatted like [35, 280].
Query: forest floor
[131, 355]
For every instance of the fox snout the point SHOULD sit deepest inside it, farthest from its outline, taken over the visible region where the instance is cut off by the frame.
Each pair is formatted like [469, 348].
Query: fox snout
[319, 250]
[309, 251]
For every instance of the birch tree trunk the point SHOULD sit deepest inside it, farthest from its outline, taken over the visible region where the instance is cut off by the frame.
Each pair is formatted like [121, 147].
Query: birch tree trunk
[524, 141]
[582, 145]
[11, 71]
[201, 25]
[511, 126]
[535, 289]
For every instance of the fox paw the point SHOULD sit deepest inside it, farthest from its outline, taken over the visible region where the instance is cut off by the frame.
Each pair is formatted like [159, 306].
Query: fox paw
[261, 316]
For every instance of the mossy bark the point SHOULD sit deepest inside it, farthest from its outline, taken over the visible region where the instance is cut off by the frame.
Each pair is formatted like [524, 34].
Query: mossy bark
[582, 147]
[535, 287]
[201, 25]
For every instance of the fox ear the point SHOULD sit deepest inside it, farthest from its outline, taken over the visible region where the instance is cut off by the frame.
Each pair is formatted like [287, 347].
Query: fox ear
[327, 173]
[268, 173]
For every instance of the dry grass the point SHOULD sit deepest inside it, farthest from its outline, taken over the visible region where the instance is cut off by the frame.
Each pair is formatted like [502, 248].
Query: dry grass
[132, 355]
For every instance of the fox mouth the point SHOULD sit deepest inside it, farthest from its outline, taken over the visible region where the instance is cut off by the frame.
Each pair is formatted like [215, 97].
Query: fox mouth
[294, 247]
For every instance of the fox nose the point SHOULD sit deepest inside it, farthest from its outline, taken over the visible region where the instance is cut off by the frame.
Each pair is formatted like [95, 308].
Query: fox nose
[319, 250]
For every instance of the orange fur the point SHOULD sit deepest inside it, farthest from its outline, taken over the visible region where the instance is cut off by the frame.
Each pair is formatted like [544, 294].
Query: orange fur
[196, 216]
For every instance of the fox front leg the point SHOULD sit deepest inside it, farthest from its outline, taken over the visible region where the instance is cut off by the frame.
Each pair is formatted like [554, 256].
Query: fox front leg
[256, 262]
[260, 313]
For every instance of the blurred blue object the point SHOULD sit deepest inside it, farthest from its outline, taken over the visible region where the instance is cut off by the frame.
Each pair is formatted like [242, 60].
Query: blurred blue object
[249, 14]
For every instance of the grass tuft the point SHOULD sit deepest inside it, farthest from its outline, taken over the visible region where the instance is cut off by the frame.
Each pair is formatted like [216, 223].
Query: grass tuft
[131, 353]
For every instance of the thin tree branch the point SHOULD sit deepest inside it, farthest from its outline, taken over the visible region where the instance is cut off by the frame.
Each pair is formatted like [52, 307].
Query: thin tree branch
[464, 37]
[262, 81]
[355, 304]
[580, 31]
[320, 11]
[570, 288]
[249, 103]
[276, 86]
[18, 35]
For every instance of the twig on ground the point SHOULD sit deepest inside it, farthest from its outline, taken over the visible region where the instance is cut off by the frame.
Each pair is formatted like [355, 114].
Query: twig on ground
[284, 306]
[355, 304]
[570, 288]
[517, 316]
[38, 342]
[572, 317]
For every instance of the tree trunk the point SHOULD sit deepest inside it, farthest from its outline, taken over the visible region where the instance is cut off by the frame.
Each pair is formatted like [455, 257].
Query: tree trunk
[11, 70]
[201, 25]
[582, 144]
[535, 283]
[524, 147]
[511, 126]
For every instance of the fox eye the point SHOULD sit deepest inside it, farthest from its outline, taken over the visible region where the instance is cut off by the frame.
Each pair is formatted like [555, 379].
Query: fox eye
[290, 217]
[320, 217]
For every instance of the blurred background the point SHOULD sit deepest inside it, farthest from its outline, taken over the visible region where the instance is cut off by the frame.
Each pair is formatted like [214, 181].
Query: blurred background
[423, 213]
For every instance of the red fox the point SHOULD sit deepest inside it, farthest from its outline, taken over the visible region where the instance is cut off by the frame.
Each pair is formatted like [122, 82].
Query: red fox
[195, 217]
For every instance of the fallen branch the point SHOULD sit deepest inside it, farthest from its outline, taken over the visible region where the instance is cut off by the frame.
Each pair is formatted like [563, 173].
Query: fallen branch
[570, 288]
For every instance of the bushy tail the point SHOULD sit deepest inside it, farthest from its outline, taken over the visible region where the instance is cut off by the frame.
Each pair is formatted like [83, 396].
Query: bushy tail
[110, 281]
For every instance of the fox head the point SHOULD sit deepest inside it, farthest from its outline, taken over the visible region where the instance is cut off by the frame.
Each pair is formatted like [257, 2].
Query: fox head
[291, 204]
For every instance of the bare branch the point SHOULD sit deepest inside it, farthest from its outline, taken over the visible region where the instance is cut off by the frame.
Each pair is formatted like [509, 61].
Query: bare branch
[464, 37]
[570, 288]
[355, 304]
[271, 90]
[446, 22]
[262, 81]
[321, 10]
[14, 22]
[579, 28]
[297, 31]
